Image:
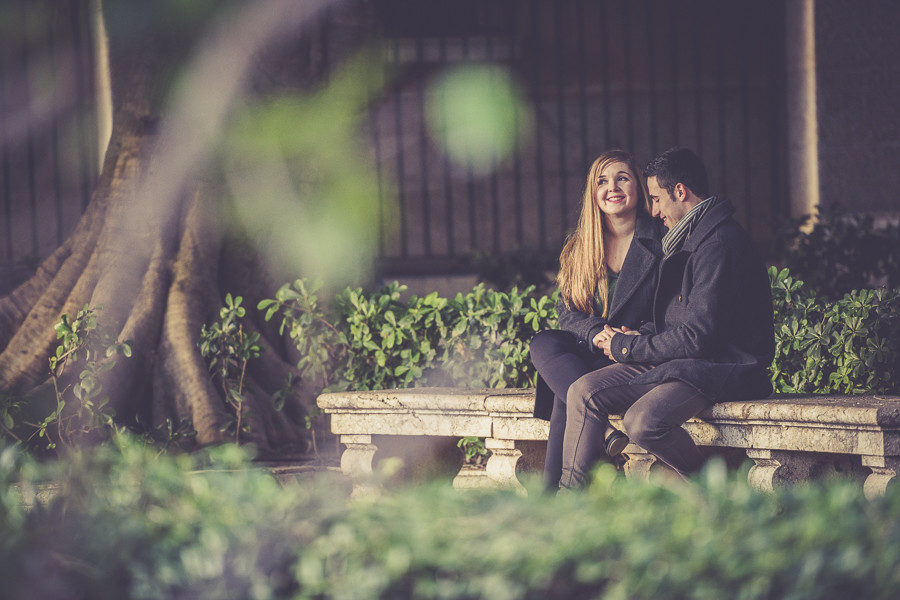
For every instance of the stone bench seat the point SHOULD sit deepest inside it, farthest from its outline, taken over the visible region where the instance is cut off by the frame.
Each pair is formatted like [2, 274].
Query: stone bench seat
[789, 437]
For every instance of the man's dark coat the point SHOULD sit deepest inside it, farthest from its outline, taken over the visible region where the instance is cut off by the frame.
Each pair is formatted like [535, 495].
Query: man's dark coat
[712, 315]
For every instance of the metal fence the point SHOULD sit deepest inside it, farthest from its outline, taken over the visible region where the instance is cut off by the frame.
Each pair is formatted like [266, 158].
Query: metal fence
[642, 75]
[48, 149]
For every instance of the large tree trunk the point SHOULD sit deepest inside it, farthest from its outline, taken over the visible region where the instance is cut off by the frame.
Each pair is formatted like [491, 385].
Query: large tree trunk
[149, 248]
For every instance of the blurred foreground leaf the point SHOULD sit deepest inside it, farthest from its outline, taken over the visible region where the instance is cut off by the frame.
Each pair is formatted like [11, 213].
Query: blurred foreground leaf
[478, 114]
[304, 188]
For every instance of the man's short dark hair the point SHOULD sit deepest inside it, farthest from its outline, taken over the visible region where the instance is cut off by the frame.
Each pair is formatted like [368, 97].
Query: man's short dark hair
[679, 165]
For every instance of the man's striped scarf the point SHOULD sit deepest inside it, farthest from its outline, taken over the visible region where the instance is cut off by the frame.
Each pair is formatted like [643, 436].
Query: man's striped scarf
[676, 236]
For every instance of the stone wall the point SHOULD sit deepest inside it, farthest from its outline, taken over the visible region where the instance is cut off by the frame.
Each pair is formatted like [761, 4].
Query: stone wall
[858, 93]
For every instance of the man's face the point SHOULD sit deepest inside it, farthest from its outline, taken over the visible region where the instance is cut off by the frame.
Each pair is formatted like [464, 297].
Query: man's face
[663, 205]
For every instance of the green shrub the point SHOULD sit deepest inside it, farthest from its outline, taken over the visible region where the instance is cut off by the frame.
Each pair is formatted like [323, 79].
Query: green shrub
[849, 346]
[228, 349]
[129, 524]
[377, 340]
[72, 407]
[487, 345]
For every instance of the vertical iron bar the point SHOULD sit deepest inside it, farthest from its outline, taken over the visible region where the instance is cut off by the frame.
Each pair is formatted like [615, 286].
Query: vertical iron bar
[54, 133]
[423, 153]
[88, 165]
[93, 122]
[398, 132]
[651, 62]
[448, 179]
[582, 83]
[517, 156]
[29, 154]
[777, 117]
[720, 93]
[560, 117]
[375, 131]
[4, 160]
[538, 141]
[495, 191]
[607, 96]
[470, 175]
[629, 95]
[745, 126]
[673, 51]
[327, 20]
[698, 37]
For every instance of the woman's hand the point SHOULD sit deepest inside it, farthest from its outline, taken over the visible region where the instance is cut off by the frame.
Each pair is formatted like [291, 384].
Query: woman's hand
[603, 339]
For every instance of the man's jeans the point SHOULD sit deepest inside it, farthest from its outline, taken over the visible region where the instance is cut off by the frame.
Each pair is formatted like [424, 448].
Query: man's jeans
[653, 415]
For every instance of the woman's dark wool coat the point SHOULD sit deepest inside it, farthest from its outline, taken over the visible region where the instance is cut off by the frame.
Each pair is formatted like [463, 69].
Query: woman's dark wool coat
[631, 304]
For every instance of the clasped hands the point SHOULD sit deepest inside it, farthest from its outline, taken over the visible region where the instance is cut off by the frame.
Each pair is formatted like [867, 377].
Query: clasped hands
[603, 339]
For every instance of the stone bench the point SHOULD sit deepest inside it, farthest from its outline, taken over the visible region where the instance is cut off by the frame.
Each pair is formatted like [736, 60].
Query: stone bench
[788, 437]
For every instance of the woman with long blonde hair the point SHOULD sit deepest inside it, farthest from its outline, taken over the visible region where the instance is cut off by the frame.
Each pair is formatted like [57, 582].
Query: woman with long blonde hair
[607, 275]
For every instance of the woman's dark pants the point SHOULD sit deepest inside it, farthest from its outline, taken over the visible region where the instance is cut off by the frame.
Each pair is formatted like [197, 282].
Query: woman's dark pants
[556, 356]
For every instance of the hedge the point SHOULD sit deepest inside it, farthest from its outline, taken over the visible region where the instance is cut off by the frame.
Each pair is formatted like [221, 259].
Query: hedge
[371, 340]
[128, 523]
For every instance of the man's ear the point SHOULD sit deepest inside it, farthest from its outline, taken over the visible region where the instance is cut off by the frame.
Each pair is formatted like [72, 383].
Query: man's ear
[681, 192]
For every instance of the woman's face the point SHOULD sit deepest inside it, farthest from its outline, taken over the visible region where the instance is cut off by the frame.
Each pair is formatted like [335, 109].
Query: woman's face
[618, 191]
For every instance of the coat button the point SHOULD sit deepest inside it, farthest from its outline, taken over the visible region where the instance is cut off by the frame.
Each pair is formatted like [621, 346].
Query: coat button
[624, 350]
[679, 297]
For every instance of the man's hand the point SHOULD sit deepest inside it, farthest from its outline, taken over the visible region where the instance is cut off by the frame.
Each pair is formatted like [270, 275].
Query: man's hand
[626, 331]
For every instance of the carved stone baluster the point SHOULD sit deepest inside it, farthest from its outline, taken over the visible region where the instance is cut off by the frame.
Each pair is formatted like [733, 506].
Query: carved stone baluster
[884, 471]
[502, 464]
[356, 462]
[775, 467]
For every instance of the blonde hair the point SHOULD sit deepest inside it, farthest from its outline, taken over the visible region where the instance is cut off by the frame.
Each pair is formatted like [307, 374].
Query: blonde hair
[582, 263]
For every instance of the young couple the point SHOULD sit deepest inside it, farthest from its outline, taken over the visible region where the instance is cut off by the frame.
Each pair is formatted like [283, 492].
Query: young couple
[655, 325]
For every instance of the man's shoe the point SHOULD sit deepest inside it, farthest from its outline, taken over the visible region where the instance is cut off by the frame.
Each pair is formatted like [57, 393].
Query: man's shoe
[615, 443]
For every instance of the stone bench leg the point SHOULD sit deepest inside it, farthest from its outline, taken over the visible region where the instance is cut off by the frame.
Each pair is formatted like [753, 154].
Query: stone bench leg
[503, 463]
[884, 471]
[356, 461]
[639, 462]
[508, 459]
[775, 467]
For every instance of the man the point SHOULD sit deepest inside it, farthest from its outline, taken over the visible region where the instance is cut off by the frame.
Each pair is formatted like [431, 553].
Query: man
[711, 338]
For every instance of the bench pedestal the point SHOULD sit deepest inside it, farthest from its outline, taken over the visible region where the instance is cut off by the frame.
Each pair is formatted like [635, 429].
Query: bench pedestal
[884, 471]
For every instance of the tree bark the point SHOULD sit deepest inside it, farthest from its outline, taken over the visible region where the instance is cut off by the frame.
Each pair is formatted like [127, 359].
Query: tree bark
[149, 248]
